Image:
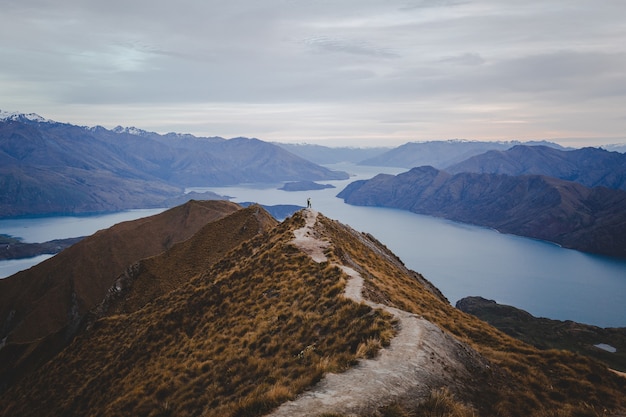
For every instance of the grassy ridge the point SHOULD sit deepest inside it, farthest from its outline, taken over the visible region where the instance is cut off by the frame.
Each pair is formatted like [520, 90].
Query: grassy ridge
[254, 330]
[524, 381]
[265, 322]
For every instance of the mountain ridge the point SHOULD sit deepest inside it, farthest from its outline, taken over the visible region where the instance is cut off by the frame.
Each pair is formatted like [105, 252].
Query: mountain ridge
[440, 154]
[53, 167]
[564, 212]
[269, 320]
[45, 305]
[591, 167]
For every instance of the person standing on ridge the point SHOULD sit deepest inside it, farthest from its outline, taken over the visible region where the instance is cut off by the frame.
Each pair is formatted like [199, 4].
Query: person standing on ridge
[308, 202]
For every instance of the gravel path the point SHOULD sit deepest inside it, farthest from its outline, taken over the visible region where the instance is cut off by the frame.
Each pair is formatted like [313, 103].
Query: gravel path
[420, 357]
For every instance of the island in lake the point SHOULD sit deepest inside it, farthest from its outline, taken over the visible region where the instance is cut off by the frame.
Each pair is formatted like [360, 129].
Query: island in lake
[304, 186]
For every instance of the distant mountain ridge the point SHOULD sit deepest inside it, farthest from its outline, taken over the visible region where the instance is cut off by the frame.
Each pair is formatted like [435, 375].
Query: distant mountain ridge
[50, 167]
[441, 154]
[591, 167]
[332, 155]
[567, 213]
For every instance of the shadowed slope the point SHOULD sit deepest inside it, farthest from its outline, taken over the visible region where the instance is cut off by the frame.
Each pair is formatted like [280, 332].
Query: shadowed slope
[152, 277]
[49, 299]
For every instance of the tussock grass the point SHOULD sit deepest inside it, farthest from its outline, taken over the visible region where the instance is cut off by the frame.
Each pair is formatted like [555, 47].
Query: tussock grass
[257, 328]
[265, 322]
[521, 379]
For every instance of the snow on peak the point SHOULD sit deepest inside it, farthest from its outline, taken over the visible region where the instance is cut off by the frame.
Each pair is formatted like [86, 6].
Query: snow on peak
[130, 131]
[16, 116]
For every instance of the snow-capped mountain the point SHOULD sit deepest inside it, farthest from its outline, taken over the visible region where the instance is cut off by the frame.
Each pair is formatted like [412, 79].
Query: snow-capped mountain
[17, 116]
[51, 167]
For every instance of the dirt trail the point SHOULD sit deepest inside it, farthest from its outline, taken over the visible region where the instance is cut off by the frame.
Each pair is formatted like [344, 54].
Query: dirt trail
[420, 358]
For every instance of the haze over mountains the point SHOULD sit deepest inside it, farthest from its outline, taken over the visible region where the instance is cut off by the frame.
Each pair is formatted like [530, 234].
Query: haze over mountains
[247, 317]
[591, 167]
[440, 154]
[50, 167]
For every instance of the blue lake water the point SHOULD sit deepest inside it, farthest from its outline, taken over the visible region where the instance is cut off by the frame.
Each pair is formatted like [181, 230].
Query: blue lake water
[461, 260]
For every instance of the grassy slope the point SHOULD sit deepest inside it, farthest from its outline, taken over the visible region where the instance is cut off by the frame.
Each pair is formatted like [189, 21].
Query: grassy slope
[551, 334]
[160, 274]
[266, 321]
[41, 308]
[251, 331]
[525, 380]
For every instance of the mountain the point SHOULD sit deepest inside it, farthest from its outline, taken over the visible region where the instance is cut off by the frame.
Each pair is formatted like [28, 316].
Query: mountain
[331, 155]
[438, 154]
[41, 308]
[615, 147]
[48, 167]
[307, 318]
[591, 167]
[564, 212]
[606, 345]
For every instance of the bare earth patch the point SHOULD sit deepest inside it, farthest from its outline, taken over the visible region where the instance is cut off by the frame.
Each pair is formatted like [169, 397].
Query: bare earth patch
[420, 358]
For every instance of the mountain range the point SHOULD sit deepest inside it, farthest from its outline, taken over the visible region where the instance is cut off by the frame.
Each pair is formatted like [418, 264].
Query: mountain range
[591, 167]
[49, 167]
[441, 154]
[332, 155]
[234, 314]
[541, 207]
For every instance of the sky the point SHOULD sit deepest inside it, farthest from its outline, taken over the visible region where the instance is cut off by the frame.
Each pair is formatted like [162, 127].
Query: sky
[334, 72]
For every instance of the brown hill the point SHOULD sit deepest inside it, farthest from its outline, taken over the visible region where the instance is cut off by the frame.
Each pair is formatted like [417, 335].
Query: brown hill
[276, 317]
[564, 212]
[41, 308]
[150, 278]
[546, 333]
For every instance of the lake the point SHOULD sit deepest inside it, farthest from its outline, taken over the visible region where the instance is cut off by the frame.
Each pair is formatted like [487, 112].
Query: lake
[461, 260]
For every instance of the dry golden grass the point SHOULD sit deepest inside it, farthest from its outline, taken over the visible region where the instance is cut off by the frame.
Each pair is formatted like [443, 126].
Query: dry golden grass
[523, 380]
[258, 327]
[265, 322]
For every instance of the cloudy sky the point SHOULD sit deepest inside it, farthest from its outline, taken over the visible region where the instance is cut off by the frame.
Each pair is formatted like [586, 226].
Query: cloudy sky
[336, 72]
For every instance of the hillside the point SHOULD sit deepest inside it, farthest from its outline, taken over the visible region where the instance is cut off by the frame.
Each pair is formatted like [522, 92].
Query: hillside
[438, 154]
[591, 167]
[42, 307]
[567, 213]
[49, 167]
[309, 307]
[551, 334]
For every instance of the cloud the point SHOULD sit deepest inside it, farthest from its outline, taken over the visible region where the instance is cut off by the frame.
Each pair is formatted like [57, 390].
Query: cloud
[355, 47]
[454, 68]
